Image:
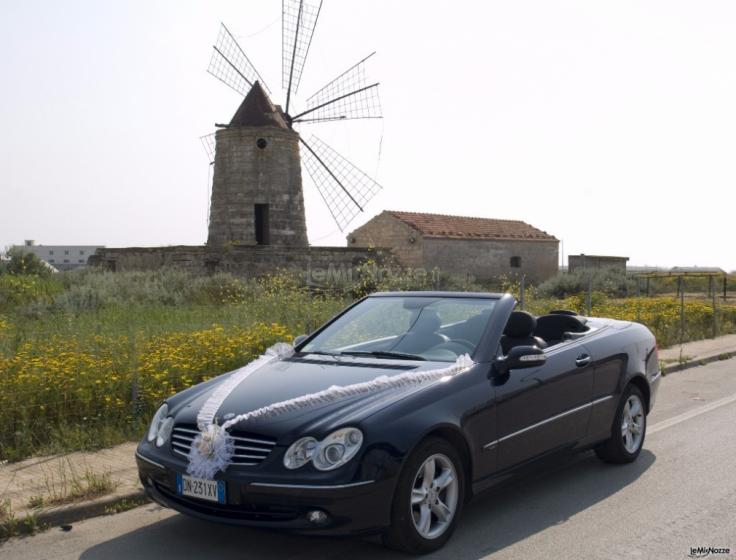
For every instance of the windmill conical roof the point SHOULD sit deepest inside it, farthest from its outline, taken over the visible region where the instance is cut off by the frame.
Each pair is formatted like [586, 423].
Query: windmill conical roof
[257, 110]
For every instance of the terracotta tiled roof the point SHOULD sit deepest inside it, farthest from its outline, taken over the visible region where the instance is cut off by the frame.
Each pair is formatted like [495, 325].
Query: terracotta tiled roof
[464, 227]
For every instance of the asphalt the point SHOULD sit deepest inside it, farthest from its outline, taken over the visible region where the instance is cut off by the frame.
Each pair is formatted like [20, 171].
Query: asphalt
[681, 493]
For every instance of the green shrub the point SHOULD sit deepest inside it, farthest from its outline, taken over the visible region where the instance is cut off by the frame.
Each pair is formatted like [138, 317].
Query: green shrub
[17, 290]
[610, 281]
[24, 263]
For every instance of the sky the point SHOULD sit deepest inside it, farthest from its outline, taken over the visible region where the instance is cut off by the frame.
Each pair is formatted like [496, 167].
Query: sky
[611, 125]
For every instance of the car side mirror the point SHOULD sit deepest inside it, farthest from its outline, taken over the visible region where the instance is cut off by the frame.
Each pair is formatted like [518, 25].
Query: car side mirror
[299, 339]
[520, 357]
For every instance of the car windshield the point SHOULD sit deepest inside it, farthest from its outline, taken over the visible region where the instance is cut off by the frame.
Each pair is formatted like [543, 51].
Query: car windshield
[407, 327]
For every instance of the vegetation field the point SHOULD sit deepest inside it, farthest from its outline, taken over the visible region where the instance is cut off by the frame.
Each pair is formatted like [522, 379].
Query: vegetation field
[86, 357]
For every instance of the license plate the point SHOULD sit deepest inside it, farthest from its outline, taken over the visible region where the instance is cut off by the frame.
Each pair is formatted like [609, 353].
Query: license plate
[203, 489]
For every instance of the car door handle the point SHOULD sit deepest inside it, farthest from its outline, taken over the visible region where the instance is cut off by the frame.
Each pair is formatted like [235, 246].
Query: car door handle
[582, 360]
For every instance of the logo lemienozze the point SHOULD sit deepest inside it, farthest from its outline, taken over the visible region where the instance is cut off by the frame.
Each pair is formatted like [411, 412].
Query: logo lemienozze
[705, 551]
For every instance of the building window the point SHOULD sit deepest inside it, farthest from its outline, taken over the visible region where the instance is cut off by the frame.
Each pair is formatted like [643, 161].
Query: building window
[66, 260]
[66, 252]
[52, 261]
[51, 252]
[515, 262]
[81, 251]
[81, 261]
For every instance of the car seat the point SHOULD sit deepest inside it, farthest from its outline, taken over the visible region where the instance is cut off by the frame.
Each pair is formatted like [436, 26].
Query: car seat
[519, 331]
[553, 327]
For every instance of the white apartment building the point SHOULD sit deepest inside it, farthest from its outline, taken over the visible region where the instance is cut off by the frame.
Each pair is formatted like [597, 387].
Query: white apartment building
[61, 257]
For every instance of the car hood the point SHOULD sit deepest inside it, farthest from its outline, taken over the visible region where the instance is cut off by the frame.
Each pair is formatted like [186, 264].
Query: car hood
[298, 376]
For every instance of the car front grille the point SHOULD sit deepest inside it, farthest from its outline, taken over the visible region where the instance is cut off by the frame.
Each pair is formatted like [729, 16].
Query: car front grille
[249, 450]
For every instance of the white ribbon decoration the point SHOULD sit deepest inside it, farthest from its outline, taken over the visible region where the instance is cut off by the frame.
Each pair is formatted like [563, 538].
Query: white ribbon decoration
[213, 447]
[209, 409]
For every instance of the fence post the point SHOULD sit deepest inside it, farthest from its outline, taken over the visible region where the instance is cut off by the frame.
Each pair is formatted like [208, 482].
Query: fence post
[681, 291]
[725, 287]
[309, 309]
[134, 393]
[589, 295]
[521, 291]
[638, 303]
[712, 286]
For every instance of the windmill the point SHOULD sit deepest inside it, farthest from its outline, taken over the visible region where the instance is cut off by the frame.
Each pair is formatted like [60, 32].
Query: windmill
[257, 195]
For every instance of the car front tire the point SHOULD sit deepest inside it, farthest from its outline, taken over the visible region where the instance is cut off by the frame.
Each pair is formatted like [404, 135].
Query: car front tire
[428, 499]
[628, 431]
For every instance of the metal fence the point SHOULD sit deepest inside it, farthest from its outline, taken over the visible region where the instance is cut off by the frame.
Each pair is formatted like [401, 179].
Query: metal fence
[710, 288]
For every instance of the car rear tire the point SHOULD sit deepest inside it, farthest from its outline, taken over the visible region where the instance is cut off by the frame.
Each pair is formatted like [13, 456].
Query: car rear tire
[628, 430]
[428, 498]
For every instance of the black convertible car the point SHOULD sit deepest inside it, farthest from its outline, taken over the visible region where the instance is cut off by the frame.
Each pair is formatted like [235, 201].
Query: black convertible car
[452, 393]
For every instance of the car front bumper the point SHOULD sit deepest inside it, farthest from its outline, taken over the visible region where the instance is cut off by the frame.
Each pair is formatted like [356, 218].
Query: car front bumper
[354, 508]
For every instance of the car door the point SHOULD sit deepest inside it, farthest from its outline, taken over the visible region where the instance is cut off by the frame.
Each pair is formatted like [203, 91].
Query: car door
[546, 407]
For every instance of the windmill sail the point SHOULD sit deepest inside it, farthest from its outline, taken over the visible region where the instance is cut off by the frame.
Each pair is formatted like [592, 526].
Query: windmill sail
[208, 143]
[299, 18]
[344, 188]
[349, 96]
[230, 65]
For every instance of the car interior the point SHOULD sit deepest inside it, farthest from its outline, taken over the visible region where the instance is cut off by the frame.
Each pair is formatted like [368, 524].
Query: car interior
[428, 337]
[524, 329]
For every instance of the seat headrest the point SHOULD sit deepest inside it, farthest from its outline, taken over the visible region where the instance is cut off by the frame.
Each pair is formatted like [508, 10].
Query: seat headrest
[521, 324]
[553, 326]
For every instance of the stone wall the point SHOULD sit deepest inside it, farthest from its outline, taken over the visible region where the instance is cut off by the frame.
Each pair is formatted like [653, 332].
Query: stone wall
[487, 259]
[243, 260]
[257, 165]
[385, 230]
[576, 262]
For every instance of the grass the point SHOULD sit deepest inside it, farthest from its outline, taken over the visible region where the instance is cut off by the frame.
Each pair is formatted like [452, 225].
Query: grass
[90, 485]
[11, 526]
[86, 357]
[125, 505]
[67, 484]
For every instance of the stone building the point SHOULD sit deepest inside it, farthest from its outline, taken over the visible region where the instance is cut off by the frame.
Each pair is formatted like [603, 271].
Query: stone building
[483, 247]
[577, 262]
[257, 185]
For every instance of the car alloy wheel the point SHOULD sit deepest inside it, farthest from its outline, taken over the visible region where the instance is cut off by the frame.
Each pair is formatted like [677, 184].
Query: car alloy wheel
[434, 496]
[428, 499]
[628, 429]
[632, 424]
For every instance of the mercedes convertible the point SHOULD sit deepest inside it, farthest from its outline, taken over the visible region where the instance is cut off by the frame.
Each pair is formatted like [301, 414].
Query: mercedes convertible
[397, 411]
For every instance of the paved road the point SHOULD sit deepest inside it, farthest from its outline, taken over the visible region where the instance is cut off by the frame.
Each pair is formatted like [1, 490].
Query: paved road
[680, 493]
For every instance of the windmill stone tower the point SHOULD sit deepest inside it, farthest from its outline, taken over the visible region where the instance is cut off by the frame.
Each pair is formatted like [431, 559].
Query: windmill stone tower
[257, 184]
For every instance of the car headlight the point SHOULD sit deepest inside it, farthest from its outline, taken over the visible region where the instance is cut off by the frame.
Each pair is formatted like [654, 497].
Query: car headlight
[164, 431]
[300, 452]
[156, 422]
[330, 453]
